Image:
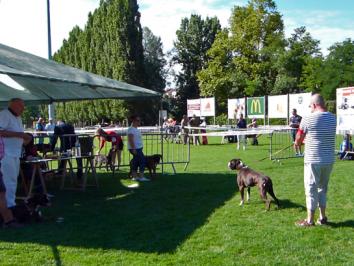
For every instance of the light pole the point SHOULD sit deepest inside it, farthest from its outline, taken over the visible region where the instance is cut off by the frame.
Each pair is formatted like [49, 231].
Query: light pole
[51, 107]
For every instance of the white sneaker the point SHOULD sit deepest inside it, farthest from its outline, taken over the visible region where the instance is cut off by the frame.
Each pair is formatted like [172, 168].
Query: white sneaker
[135, 179]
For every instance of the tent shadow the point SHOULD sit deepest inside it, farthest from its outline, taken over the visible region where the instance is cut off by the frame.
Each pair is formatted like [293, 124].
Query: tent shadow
[157, 216]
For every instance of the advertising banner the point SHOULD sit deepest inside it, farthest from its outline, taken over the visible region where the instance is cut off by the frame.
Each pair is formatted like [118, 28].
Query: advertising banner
[256, 107]
[236, 107]
[278, 106]
[193, 107]
[300, 102]
[207, 106]
[345, 108]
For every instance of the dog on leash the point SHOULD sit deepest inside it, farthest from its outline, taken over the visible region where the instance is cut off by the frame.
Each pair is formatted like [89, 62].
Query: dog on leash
[151, 162]
[29, 210]
[106, 161]
[248, 178]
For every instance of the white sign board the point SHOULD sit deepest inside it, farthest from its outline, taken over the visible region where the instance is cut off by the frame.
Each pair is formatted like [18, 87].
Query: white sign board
[300, 102]
[345, 108]
[193, 107]
[236, 107]
[278, 106]
[207, 106]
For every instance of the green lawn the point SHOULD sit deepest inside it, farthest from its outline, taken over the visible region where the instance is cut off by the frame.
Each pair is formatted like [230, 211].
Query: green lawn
[192, 218]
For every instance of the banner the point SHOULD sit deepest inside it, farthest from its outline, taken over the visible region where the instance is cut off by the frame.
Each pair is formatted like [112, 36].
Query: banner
[345, 108]
[256, 107]
[193, 107]
[278, 106]
[300, 102]
[207, 106]
[235, 107]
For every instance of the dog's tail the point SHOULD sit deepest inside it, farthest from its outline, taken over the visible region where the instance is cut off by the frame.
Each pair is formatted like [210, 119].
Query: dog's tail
[271, 192]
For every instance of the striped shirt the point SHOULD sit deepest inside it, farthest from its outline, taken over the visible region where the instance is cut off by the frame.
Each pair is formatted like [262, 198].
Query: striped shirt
[320, 130]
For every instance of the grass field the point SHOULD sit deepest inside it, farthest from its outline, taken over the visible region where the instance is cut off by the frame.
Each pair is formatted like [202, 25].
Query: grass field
[192, 218]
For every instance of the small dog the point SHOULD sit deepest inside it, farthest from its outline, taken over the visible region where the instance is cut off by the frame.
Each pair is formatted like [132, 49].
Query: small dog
[151, 161]
[29, 210]
[248, 178]
[103, 160]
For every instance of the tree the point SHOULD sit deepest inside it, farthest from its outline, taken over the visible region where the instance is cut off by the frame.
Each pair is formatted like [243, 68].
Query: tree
[301, 48]
[242, 59]
[111, 46]
[194, 38]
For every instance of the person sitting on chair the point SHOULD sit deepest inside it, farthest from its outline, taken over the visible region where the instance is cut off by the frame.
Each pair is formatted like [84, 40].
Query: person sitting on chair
[346, 146]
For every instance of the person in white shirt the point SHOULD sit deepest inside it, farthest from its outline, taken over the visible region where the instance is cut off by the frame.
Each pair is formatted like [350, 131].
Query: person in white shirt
[135, 147]
[50, 128]
[11, 130]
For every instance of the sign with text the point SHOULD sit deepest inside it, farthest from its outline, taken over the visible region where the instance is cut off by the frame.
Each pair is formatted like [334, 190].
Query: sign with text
[345, 108]
[235, 107]
[278, 106]
[193, 107]
[300, 102]
[207, 106]
[256, 107]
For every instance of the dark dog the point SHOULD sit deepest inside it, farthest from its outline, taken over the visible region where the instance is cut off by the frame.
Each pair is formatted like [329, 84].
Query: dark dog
[248, 178]
[151, 161]
[29, 211]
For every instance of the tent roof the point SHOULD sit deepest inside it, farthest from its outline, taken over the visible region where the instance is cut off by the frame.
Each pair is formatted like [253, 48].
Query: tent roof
[45, 81]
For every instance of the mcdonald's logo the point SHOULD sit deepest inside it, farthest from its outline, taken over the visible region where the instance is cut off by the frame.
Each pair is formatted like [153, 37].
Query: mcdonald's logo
[256, 106]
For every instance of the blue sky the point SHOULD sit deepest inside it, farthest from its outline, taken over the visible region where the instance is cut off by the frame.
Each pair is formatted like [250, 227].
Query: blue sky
[25, 28]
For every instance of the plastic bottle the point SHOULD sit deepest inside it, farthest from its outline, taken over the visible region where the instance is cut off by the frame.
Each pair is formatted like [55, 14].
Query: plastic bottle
[77, 148]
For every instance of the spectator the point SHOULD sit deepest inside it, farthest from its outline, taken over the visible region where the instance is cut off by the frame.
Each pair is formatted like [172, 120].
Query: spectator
[135, 147]
[40, 127]
[346, 146]
[49, 127]
[117, 143]
[6, 214]
[241, 124]
[66, 133]
[295, 121]
[253, 124]
[185, 131]
[320, 131]
[195, 122]
[203, 130]
[11, 130]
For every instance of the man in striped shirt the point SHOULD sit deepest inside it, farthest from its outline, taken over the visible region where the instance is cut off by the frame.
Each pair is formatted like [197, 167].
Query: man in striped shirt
[320, 131]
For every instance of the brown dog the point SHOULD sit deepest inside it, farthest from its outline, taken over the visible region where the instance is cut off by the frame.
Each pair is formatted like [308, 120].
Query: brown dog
[151, 161]
[248, 178]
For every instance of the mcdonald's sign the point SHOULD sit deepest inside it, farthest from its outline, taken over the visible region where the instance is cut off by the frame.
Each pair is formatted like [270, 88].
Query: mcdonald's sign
[256, 107]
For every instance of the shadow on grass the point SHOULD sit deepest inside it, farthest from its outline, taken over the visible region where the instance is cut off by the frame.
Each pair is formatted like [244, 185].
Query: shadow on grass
[288, 204]
[157, 217]
[348, 223]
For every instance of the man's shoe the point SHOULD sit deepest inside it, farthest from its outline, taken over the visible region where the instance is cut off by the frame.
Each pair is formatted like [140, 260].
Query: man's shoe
[13, 224]
[135, 179]
[304, 223]
[322, 221]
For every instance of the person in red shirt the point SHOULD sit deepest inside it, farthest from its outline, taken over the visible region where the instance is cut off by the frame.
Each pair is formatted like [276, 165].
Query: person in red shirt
[115, 139]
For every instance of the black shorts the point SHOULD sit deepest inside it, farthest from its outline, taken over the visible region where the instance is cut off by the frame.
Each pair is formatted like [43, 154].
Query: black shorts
[2, 185]
[119, 145]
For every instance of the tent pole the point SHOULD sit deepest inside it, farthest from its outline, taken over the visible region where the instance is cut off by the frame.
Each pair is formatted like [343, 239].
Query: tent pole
[51, 107]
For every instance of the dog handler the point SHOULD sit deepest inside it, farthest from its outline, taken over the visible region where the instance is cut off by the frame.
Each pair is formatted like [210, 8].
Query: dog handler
[135, 147]
[11, 130]
[320, 131]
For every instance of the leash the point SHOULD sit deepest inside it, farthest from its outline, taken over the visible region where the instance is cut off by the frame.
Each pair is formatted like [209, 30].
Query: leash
[287, 147]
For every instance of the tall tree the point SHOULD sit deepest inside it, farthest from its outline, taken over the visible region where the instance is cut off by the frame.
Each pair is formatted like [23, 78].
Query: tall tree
[246, 53]
[111, 46]
[194, 38]
[301, 48]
